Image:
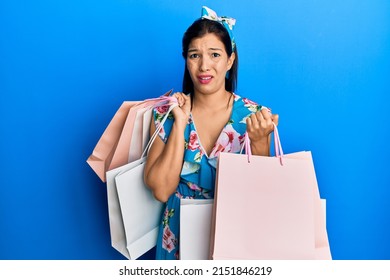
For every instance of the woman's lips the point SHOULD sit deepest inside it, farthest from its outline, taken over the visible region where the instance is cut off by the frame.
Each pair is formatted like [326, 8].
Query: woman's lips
[205, 79]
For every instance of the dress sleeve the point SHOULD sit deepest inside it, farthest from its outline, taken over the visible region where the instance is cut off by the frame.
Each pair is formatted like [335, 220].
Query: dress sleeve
[158, 115]
[244, 107]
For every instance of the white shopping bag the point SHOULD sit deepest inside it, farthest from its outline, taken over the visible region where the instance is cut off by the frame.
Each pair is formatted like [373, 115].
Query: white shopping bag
[141, 212]
[117, 229]
[195, 225]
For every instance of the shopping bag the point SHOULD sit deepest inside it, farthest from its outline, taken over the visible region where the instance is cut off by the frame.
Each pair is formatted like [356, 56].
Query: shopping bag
[134, 213]
[103, 152]
[322, 248]
[147, 117]
[140, 134]
[112, 149]
[195, 225]
[122, 150]
[268, 208]
[141, 212]
[117, 228]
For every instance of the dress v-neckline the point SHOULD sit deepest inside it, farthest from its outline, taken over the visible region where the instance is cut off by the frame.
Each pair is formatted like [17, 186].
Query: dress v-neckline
[220, 134]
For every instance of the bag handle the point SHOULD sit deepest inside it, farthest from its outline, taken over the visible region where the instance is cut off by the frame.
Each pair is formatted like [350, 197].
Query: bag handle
[150, 104]
[170, 100]
[160, 100]
[277, 145]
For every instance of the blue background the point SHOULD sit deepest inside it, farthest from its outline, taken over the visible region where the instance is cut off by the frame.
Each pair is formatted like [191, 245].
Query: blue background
[67, 65]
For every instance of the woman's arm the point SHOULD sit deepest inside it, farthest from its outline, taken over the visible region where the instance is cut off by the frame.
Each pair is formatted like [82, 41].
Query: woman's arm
[259, 127]
[165, 161]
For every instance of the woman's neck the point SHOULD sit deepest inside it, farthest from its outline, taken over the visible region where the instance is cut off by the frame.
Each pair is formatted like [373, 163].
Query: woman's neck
[212, 102]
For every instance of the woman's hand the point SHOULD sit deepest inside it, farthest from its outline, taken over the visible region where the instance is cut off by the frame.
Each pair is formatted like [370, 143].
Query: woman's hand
[182, 112]
[259, 127]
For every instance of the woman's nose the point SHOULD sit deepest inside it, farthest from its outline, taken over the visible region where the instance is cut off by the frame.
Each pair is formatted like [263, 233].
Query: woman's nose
[204, 64]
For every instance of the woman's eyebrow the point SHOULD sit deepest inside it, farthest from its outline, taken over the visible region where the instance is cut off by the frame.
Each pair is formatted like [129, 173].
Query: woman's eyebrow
[211, 49]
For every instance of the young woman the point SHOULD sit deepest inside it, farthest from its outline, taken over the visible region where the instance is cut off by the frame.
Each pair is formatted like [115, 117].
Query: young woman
[210, 119]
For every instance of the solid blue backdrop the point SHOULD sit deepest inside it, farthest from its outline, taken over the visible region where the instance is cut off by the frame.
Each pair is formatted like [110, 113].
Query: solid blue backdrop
[66, 66]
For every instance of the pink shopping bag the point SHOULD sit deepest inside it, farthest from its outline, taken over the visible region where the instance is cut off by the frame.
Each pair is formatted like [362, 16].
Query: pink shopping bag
[268, 208]
[113, 147]
[122, 154]
[103, 152]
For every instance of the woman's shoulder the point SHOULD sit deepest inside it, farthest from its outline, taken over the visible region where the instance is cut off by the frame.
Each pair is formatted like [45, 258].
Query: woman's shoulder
[243, 103]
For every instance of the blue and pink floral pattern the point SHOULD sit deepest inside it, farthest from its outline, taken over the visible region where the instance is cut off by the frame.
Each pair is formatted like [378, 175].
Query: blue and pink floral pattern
[197, 177]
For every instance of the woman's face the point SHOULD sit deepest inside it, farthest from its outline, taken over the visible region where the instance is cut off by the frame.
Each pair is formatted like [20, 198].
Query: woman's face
[207, 63]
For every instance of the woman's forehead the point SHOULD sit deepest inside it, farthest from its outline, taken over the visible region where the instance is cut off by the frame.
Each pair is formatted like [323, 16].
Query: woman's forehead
[207, 41]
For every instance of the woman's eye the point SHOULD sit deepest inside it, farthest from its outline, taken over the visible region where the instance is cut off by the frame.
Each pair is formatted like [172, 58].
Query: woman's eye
[215, 55]
[194, 55]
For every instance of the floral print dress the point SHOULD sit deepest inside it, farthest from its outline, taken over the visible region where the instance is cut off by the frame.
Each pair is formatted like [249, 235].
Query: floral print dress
[197, 178]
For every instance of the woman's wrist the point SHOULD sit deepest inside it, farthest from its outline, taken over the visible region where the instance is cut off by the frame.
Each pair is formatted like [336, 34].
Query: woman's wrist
[180, 124]
[261, 147]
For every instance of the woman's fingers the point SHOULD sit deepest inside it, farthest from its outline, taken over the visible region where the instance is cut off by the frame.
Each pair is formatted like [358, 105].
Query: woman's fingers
[179, 97]
[275, 119]
[183, 110]
[261, 123]
[255, 120]
[262, 119]
[267, 116]
[182, 99]
[265, 113]
[186, 97]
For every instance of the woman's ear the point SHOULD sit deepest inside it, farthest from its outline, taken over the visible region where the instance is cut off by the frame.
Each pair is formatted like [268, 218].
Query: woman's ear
[231, 60]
